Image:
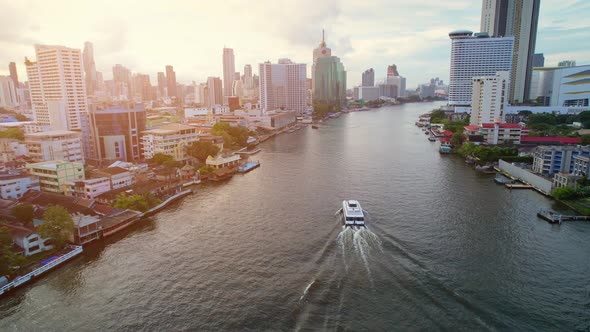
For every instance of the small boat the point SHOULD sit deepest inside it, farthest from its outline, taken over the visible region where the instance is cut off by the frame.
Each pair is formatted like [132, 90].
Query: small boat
[315, 126]
[352, 213]
[432, 138]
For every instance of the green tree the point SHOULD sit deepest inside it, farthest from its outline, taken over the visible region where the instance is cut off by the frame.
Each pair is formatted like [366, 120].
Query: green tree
[202, 149]
[457, 139]
[136, 202]
[24, 212]
[10, 261]
[13, 133]
[161, 159]
[564, 193]
[57, 225]
[321, 109]
[20, 117]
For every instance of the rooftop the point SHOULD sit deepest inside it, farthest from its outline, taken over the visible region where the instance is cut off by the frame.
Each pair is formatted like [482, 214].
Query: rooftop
[562, 140]
[170, 128]
[501, 125]
[52, 133]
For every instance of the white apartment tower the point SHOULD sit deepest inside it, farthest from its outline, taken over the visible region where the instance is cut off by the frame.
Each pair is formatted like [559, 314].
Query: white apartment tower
[490, 98]
[283, 85]
[474, 56]
[229, 69]
[57, 87]
[8, 96]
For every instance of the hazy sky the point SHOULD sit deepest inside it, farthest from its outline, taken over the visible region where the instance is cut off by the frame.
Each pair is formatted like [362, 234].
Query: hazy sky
[147, 35]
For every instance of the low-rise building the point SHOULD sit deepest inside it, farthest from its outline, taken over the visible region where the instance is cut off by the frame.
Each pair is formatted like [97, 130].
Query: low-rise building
[11, 149]
[14, 185]
[55, 145]
[221, 161]
[118, 177]
[561, 180]
[277, 120]
[171, 139]
[89, 188]
[549, 160]
[28, 240]
[581, 166]
[55, 176]
[510, 133]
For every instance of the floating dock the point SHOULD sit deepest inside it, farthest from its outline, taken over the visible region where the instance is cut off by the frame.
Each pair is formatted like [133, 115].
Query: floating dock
[247, 167]
[518, 186]
[556, 218]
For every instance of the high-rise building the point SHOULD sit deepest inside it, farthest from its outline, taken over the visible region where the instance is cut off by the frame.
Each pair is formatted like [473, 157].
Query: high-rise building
[116, 131]
[248, 80]
[171, 81]
[229, 68]
[13, 74]
[489, 98]
[566, 63]
[8, 95]
[518, 18]
[399, 82]
[142, 87]
[123, 87]
[162, 83]
[562, 86]
[392, 71]
[214, 93]
[90, 69]
[538, 60]
[321, 51]
[368, 78]
[283, 86]
[57, 87]
[474, 56]
[329, 81]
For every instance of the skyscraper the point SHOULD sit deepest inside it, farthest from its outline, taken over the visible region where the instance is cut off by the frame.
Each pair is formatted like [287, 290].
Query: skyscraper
[214, 93]
[171, 81]
[58, 90]
[489, 98]
[475, 55]
[229, 68]
[392, 71]
[321, 51]
[8, 97]
[329, 81]
[162, 83]
[13, 74]
[122, 78]
[248, 80]
[368, 78]
[90, 69]
[518, 18]
[283, 85]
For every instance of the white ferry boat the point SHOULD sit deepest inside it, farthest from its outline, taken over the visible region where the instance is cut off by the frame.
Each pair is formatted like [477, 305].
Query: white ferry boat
[352, 213]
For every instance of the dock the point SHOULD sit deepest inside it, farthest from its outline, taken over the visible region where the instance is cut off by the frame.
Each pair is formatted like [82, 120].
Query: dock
[518, 186]
[247, 167]
[248, 152]
[557, 218]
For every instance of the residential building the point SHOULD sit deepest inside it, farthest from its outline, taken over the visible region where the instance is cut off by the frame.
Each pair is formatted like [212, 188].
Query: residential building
[517, 18]
[549, 160]
[248, 79]
[11, 149]
[8, 94]
[28, 240]
[283, 86]
[561, 180]
[162, 84]
[221, 161]
[116, 131]
[57, 87]
[14, 185]
[89, 188]
[368, 78]
[55, 145]
[502, 133]
[368, 93]
[171, 139]
[581, 166]
[388, 90]
[119, 177]
[13, 74]
[474, 56]
[399, 83]
[562, 86]
[214, 93]
[229, 68]
[489, 98]
[54, 176]
[329, 81]
[171, 81]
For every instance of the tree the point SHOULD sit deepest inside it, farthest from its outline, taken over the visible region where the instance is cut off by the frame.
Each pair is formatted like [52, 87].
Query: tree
[20, 117]
[161, 158]
[321, 109]
[10, 261]
[457, 139]
[24, 212]
[57, 225]
[202, 149]
[564, 193]
[13, 133]
[136, 202]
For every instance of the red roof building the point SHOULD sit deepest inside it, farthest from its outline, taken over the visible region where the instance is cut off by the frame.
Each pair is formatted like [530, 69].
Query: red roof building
[550, 140]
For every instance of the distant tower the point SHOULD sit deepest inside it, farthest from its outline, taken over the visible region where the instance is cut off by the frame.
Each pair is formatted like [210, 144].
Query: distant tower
[13, 74]
[392, 71]
[89, 68]
[368, 78]
[229, 68]
[321, 51]
[171, 81]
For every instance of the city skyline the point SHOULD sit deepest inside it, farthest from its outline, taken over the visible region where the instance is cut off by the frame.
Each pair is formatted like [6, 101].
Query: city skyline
[417, 43]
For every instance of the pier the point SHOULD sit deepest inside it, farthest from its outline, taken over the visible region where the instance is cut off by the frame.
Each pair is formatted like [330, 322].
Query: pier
[518, 186]
[556, 218]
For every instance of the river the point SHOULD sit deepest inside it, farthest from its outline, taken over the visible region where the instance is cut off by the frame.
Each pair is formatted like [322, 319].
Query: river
[445, 248]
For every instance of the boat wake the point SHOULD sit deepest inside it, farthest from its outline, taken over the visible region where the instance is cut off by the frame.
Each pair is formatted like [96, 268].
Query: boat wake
[358, 242]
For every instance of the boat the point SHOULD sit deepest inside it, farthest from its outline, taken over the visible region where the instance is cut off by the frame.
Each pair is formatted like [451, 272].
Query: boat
[248, 166]
[352, 213]
[432, 138]
[315, 126]
[445, 149]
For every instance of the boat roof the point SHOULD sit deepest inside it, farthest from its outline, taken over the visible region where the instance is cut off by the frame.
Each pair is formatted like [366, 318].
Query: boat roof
[353, 208]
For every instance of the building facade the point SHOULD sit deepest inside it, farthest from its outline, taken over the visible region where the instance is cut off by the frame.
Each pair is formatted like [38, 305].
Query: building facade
[89, 188]
[283, 86]
[368, 78]
[57, 87]
[171, 81]
[319, 52]
[8, 94]
[214, 95]
[562, 86]
[329, 81]
[229, 68]
[489, 98]
[474, 56]
[55, 176]
[13, 186]
[171, 139]
[549, 160]
[55, 145]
